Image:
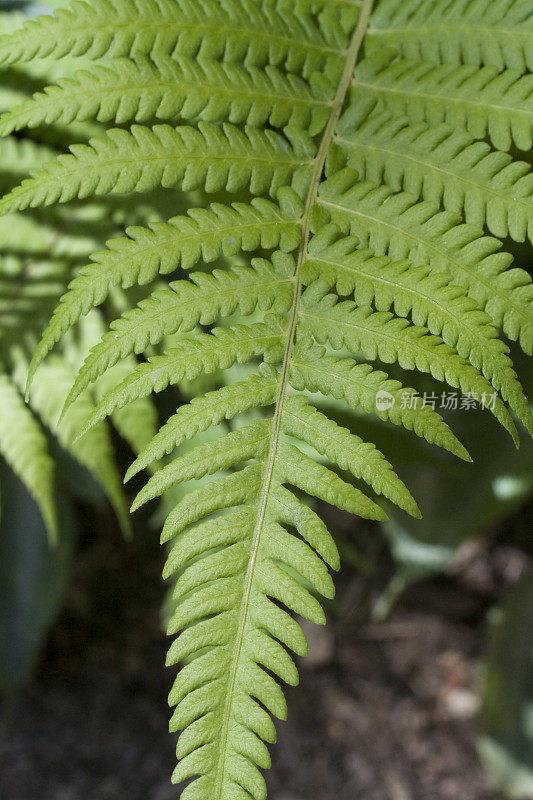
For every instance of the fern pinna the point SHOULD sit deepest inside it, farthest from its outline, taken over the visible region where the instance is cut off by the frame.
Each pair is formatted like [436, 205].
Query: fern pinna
[367, 153]
[39, 252]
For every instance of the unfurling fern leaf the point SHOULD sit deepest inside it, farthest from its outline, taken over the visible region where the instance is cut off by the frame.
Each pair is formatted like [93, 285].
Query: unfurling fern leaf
[348, 149]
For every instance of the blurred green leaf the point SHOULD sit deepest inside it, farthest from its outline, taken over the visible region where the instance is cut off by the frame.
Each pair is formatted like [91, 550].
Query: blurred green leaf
[33, 576]
[457, 499]
[506, 745]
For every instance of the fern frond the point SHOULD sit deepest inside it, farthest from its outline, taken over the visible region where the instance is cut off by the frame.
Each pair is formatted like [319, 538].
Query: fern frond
[196, 354]
[442, 165]
[429, 299]
[398, 227]
[142, 159]
[204, 234]
[395, 224]
[484, 101]
[233, 30]
[186, 88]
[208, 615]
[201, 300]
[498, 32]
[24, 447]
[392, 339]
[358, 384]
[93, 451]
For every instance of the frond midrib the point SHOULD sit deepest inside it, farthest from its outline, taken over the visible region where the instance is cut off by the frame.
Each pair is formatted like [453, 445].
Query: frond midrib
[320, 159]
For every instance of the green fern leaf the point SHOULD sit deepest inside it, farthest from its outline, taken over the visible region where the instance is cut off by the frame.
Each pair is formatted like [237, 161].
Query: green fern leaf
[480, 100]
[187, 88]
[142, 159]
[395, 224]
[437, 163]
[24, 447]
[494, 32]
[212, 29]
[204, 234]
[367, 188]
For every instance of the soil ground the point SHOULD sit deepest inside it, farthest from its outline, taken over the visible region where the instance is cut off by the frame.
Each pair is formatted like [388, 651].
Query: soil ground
[384, 711]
